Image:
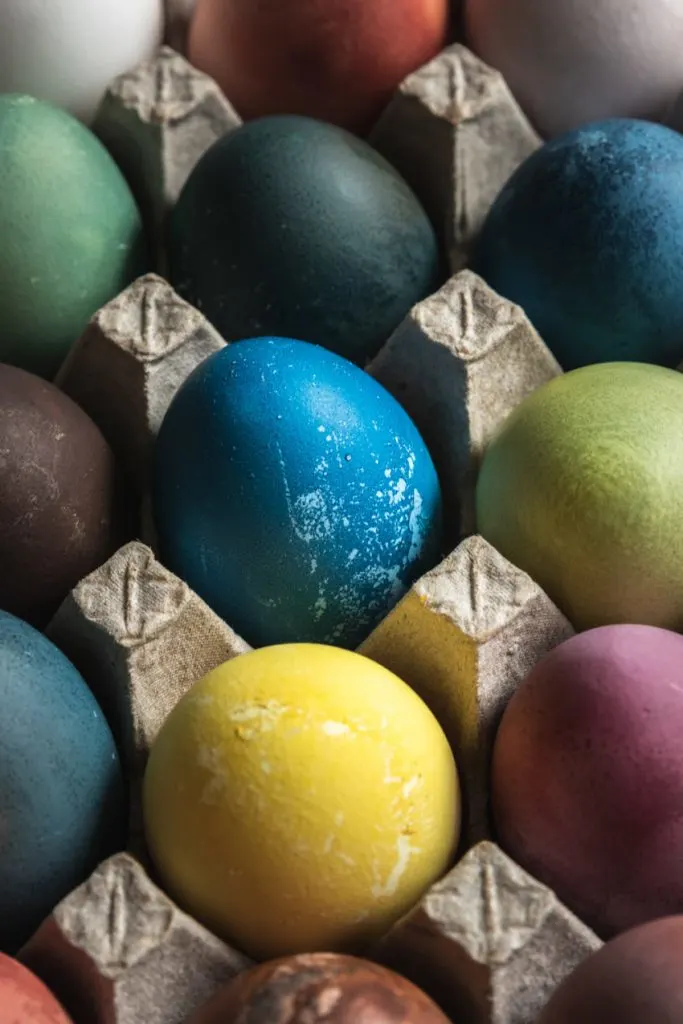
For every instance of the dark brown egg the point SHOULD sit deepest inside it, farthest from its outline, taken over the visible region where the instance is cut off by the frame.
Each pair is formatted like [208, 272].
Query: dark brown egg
[636, 978]
[62, 510]
[320, 988]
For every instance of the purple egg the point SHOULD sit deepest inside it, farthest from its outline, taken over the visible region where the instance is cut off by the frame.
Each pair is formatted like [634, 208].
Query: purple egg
[587, 776]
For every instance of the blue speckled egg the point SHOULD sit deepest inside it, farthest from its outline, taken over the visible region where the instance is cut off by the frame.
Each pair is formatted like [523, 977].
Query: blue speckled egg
[587, 237]
[293, 493]
[62, 797]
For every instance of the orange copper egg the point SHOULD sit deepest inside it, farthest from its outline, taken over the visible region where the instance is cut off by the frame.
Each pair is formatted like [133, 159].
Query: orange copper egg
[24, 999]
[335, 60]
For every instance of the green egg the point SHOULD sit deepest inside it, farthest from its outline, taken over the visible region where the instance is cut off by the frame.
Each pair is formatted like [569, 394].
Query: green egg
[72, 235]
[583, 490]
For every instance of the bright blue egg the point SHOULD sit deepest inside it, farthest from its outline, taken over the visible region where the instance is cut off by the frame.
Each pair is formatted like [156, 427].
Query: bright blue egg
[293, 493]
[62, 797]
[587, 237]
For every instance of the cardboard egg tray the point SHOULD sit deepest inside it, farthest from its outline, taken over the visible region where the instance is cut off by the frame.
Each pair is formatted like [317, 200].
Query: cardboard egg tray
[488, 942]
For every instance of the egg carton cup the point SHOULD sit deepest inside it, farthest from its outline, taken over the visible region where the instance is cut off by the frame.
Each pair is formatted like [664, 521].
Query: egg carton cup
[488, 942]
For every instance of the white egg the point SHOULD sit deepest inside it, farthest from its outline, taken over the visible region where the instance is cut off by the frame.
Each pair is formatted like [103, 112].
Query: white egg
[573, 61]
[67, 51]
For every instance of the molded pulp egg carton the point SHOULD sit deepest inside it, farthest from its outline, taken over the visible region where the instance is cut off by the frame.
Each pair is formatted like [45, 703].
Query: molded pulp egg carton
[488, 942]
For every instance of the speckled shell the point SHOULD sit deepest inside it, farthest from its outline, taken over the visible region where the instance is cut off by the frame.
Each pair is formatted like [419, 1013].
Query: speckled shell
[293, 493]
[62, 799]
[63, 510]
[587, 236]
[289, 226]
[301, 798]
[320, 989]
[582, 488]
[24, 999]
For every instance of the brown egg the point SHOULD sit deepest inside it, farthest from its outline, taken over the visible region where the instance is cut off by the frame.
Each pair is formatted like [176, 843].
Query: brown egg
[23, 997]
[636, 978]
[61, 500]
[320, 988]
[335, 60]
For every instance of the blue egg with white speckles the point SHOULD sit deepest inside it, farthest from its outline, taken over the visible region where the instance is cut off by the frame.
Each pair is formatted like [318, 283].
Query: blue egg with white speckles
[587, 237]
[293, 493]
[62, 796]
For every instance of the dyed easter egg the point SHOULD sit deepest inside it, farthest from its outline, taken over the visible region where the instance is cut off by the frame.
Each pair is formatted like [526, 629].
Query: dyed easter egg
[634, 979]
[67, 51]
[63, 508]
[62, 799]
[293, 493]
[569, 63]
[300, 798]
[337, 60]
[323, 988]
[582, 488]
[587, 775]
[587, 236]
[71, 232]
[292, 227]
[23, 997]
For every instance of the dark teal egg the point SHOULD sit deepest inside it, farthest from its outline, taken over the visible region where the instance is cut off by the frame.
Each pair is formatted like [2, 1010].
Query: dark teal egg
[62, 797]
[293, 493]
[292, 227]
[587, 237]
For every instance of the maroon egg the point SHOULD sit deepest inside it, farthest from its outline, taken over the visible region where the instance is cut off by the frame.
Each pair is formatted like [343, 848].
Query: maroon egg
[587, 775]
[636, 978]
[62, 507]
[320, 988]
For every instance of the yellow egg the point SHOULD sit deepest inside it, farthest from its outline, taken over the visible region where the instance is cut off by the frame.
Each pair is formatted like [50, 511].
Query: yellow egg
[300, 798]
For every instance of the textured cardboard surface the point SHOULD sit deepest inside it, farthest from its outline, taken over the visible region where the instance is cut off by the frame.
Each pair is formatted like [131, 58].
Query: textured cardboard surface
[459, 363]
[140, 638]
[489, 943]
[130, 361]
[118, 951]
[157, 121]
[456, 134]
[463, 638]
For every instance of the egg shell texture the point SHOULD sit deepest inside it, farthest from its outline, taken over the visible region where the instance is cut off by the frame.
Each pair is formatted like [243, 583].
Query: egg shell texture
[71, 232]
[322, 988]
[292, 227]
[339, 60]
[587, 776]
[24, 999]
[293, 493]
[634, 979]
[577, 61]
[300, 798]
[587, 236]
[582, 489]
[63, 510]
[62, 801]
[67, 52]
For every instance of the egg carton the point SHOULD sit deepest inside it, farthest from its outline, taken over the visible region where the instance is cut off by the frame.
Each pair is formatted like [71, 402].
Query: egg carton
[488, 942]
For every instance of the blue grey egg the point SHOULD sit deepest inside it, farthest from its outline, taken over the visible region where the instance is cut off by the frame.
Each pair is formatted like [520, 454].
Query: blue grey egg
[62, 796]
[587, 236]
[293, 493]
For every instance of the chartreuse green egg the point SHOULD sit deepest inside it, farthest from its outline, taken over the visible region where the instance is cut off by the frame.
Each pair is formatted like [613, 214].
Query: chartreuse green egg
[71, 232]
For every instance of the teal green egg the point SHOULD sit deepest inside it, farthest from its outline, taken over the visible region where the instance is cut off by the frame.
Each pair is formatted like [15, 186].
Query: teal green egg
[72, 235]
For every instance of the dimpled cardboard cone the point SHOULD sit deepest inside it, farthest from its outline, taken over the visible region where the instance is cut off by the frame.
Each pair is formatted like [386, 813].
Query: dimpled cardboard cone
[140, 638]
[118, 951]
[488, 942]
[157, 121]
[130, 361]
[456, 134]
[463, 638]
[460, 362]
